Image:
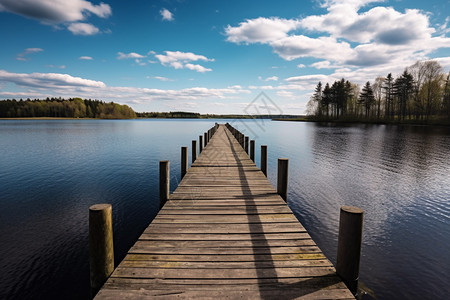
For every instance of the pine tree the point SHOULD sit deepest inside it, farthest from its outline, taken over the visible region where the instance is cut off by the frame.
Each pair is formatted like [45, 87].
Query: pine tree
[367, 98]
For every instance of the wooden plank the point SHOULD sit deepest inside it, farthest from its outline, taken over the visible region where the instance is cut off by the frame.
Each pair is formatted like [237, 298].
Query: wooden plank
[225, 237]
[208, 273]
[225, 228]
[129, 262]
[225, 233]
[220, 243]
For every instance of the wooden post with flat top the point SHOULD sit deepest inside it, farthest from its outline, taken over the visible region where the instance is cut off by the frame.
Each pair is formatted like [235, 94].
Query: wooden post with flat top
[252, 150]
[164, 182]
[194, 150]
[101, 249]
[282, 178]
[349, 245]
[184, 161]
[264, 159]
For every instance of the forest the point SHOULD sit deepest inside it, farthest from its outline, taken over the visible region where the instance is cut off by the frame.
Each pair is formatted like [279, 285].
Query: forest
[64, 108]
[192, 115]
[420, 94]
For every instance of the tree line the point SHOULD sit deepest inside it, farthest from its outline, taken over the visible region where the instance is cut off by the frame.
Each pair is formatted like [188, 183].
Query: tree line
[420, 93]
[64, 108]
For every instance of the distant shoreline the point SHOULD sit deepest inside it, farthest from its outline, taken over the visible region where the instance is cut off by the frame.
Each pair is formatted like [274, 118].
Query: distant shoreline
[374, 122]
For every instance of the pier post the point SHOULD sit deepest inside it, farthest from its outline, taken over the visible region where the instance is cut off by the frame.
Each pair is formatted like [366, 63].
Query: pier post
[252, 150]
[264, 159]
[206, 139]
[194, 150]
[246, 144]
[349, 245]
[200, 142]
[282, 178]
[184, 161]
[101, 249]
[164, 182]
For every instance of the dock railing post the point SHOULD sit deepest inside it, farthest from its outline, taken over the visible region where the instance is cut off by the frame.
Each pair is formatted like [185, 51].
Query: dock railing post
[282, 178]
[252, 150]
[200, 142]
[246, 144]
[264, 159]
[194, 150]
[206, 139]
[349, 245]
[101, 248]
[164, 182]
[184, 161]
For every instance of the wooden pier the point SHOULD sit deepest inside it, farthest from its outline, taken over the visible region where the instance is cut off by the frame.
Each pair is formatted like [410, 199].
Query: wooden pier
[225, 233]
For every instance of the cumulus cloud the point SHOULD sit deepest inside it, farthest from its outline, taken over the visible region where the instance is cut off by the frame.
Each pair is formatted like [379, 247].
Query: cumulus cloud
[260, 30]
[83, 29]
[24, 54]
[166, 15]
[57, 11]
[197, 68]
[180, 60]
[345, 36]
[132, 55]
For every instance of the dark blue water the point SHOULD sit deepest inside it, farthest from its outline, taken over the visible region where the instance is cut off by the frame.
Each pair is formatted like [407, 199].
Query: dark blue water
[52, 171]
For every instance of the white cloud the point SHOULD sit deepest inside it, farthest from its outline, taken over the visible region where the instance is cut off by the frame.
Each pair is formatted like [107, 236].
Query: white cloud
[23, 55]
[83, 29]
[85, 58]
[65, 85]
[55, 11]
[345, 36]
[180, 60]
[197, 68]
[161, 78]
[47, 80]
[271, 78]
[260, 30]
[324, 64]
[58, 11]
[300, 66]
[166, 15]
[121, 55]
[296, 46]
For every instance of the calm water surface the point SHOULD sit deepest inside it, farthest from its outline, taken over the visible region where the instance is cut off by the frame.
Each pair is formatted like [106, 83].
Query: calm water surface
[52, 171]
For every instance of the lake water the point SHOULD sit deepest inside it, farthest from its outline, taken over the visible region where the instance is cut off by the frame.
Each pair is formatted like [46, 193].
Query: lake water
[52, 171]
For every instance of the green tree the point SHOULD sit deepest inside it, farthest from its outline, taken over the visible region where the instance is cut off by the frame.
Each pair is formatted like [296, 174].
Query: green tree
[366, 98]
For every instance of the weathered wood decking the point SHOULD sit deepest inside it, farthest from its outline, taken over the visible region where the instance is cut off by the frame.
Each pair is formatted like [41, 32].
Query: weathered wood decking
[225, 233]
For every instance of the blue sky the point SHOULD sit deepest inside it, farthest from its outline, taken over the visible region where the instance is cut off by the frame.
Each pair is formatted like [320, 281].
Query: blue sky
[211, 56]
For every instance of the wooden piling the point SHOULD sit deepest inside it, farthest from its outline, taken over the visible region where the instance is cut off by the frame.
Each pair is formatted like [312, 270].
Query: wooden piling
[349, 245]
[252, 150]
[164, 182]
[282, 178]
[206, 139]
[246, 144]
[264, 159]
[194, 150]
[101, 249]
[200, 142]
[184, 161]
